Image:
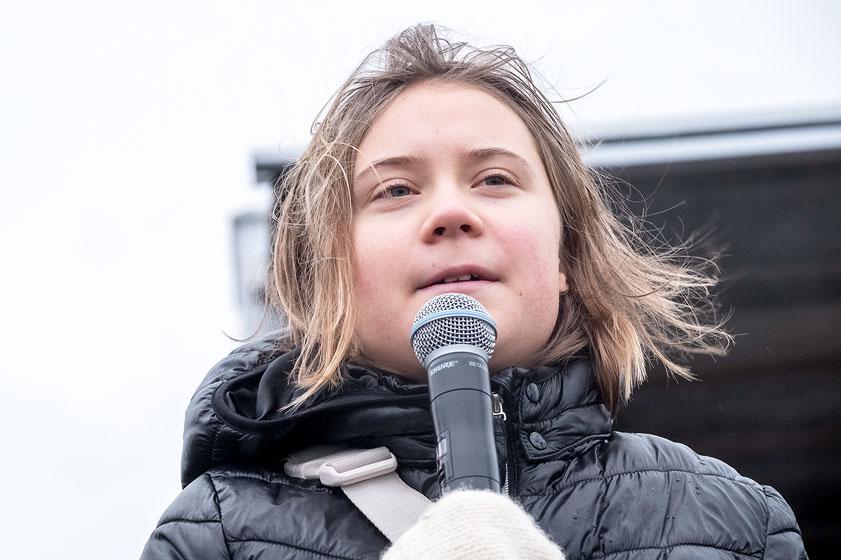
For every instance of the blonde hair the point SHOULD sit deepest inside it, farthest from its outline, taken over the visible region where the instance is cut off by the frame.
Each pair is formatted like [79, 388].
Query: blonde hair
[630, 297]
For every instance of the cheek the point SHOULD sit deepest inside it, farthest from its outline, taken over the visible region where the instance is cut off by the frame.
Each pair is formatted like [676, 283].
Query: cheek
[366, 281]
[379, 272]
[376, 265]
[367, 255]
[370, 309]
[534, 245]
[533, 249]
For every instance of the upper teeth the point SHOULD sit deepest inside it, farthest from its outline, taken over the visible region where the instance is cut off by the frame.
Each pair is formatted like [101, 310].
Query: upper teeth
[463, 278]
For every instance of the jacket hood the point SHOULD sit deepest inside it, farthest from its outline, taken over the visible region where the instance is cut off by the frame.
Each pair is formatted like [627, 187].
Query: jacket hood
[236, 417]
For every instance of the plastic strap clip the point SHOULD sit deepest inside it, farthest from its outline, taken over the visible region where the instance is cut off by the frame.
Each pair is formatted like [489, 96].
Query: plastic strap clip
[337, 466]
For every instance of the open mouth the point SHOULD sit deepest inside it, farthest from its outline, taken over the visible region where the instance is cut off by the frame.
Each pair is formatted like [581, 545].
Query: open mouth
[458, 275]
[462, 278]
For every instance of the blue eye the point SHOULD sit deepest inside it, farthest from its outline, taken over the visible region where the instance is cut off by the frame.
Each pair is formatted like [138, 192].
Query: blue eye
[396, 191]
[497, 180]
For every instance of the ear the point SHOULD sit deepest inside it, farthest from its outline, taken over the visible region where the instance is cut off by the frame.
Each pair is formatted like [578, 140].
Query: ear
[562, 282]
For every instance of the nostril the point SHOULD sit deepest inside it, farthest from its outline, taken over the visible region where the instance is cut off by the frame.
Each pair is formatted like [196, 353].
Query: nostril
[440, 230]
[465, 228]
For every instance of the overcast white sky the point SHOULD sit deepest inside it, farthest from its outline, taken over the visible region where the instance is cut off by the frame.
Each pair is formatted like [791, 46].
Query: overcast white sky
[127, 132]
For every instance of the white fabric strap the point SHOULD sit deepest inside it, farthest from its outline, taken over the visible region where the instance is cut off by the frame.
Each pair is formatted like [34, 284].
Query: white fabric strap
[389, 503]
[367, 478]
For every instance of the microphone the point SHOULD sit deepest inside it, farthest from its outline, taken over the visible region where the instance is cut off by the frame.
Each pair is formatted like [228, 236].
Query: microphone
[453, 337]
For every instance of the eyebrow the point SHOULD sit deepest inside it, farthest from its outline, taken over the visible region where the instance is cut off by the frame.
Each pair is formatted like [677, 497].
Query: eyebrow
[474, 155]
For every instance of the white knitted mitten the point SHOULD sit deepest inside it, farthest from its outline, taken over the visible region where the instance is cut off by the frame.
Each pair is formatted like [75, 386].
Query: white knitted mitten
[474, 524]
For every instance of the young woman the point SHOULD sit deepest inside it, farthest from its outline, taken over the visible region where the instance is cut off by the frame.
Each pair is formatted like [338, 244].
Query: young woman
[442, 168]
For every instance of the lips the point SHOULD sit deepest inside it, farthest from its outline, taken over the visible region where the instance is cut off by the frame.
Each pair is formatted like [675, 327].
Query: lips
[465, 278]
[454, 275]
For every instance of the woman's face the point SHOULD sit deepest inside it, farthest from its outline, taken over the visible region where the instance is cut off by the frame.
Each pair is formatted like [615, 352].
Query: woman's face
[459, 202]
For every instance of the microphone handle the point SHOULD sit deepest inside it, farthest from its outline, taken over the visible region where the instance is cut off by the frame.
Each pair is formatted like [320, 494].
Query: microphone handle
[462, 410]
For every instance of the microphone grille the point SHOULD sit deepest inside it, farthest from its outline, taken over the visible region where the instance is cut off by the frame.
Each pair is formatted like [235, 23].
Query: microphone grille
[449, 319]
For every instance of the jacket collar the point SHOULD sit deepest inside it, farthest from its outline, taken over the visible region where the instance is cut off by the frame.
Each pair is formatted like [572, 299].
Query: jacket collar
[556, 408]
[559, 403]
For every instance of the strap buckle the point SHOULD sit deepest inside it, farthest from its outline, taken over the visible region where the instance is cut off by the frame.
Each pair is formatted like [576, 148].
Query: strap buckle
[340, 466]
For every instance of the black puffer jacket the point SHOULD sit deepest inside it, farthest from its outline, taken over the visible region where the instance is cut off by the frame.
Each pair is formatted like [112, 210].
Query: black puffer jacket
[597, 493]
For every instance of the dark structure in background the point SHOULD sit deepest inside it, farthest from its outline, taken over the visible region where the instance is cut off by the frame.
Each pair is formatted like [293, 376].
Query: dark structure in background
[772, 407]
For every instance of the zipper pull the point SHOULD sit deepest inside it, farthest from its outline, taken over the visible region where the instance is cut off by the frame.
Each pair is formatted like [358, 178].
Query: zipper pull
[496, 401]
[497, 406]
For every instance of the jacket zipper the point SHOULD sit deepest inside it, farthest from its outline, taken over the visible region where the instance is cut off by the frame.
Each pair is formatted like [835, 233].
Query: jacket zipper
[499, 412]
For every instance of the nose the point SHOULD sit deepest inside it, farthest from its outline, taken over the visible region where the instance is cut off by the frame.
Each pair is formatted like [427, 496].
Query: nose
[451, 216]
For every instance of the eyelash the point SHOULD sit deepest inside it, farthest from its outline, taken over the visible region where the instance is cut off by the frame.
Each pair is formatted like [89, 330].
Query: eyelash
[383, 193]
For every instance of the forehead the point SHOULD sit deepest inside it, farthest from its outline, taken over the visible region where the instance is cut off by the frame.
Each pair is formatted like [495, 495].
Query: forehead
[438, 120]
